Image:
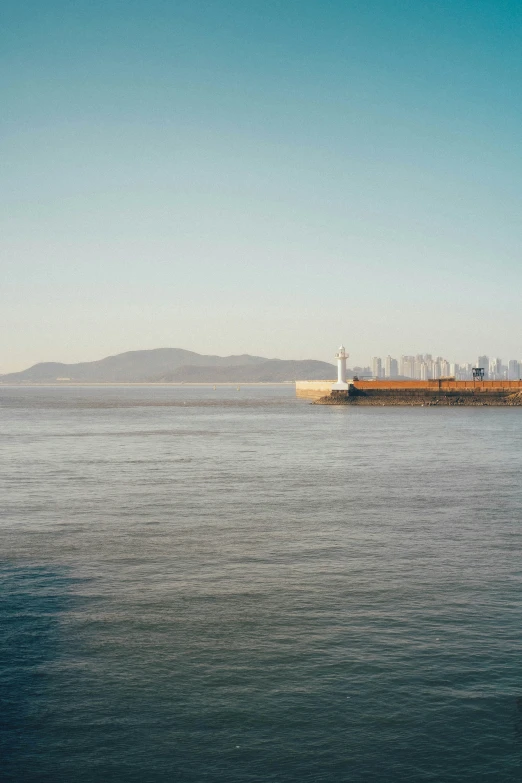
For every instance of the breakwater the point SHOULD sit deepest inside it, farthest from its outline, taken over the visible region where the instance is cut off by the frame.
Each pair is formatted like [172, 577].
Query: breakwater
[426, 393]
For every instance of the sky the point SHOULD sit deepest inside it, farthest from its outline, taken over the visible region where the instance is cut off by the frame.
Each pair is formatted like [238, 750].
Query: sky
[253, 176]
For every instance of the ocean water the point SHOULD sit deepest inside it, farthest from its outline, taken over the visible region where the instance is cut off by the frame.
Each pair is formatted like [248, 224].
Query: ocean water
[223, 586]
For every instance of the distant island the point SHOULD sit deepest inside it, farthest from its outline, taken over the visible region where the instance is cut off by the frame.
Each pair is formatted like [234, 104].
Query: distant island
[173, 365]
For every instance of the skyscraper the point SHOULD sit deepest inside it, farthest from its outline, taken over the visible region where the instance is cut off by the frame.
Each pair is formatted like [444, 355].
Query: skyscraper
[377, 367]
[419, 363]
[391, 367]
[495, 369]
[483, 362]
[454, 370]
[514, 370]
[407, 366]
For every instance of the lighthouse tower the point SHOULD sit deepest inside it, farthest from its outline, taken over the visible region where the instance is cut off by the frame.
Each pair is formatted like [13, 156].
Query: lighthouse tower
[341, 357]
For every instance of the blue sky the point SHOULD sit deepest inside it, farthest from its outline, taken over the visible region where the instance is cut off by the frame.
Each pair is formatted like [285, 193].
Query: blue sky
[268, 177]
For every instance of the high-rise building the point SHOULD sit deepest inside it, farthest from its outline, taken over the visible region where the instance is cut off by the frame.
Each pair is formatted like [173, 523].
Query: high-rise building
[495, 369]
[445, 370]
[423, 370]
[483, 362]
[407, 366]
[377, 367]
[514, 368]
[391, 367]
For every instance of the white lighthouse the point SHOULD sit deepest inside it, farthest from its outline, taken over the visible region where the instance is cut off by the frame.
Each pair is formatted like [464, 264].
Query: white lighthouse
[341, 357]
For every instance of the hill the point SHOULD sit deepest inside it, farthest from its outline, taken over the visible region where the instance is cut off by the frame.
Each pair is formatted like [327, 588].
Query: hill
[173, 365]
[268, 371]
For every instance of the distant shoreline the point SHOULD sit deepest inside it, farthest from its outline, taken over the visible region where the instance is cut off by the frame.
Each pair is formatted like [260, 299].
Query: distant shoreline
[61, 385]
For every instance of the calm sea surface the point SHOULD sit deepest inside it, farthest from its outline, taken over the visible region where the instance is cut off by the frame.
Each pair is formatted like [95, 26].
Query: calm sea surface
[228, 586]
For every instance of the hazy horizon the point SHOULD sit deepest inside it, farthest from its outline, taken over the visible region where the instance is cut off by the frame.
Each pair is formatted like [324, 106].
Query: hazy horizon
[351, 363]
[260, 178]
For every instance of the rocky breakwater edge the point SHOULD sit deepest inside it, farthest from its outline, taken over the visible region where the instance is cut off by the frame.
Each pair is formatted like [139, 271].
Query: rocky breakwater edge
[421, 397]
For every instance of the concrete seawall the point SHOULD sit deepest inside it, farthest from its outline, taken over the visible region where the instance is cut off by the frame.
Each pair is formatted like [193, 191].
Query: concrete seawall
[315, 390]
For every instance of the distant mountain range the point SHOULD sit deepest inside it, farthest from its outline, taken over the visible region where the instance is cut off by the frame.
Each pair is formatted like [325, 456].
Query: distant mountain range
[174, 365]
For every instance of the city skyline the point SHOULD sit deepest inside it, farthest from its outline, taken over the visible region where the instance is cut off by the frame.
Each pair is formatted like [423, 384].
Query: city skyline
[425, 367]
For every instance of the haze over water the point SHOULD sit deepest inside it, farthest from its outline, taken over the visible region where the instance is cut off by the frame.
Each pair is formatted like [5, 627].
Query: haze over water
[208, 585]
